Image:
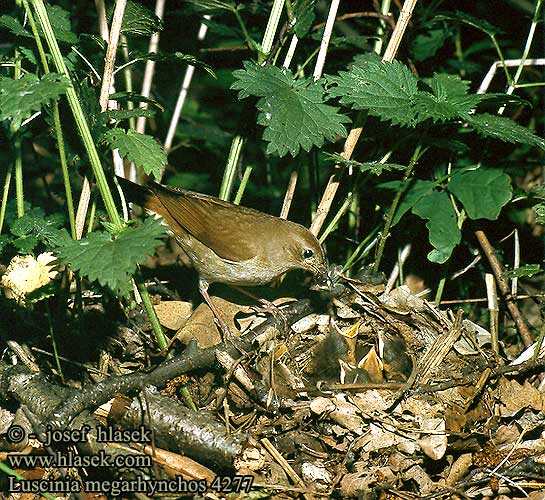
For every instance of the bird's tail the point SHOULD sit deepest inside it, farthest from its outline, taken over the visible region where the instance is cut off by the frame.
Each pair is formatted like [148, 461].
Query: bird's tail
[141, 195]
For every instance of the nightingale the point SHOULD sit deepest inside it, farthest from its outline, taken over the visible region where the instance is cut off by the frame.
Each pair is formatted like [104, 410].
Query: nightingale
[227, 243]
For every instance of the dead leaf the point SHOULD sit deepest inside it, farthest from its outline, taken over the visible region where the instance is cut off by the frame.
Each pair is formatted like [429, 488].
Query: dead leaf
[173, 314]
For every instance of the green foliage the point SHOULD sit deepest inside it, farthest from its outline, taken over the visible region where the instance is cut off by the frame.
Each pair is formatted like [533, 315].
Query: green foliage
[444, 233]
[504, 129]
[303, 13]
[483, 192]
[33, 228]
[139, 20]
[469, 20]
[447, 101]
[524, 272]
[111, 260]
[142, 149]
[60, 22]
[178, 57]
[375, 167]
[19, 99]
[386, 90]
[292, 111]
[425, 45]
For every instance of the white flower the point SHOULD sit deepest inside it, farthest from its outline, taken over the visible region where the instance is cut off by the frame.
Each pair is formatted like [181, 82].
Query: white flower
[26, 274]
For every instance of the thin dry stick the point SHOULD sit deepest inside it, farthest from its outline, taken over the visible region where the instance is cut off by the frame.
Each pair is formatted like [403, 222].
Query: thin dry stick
[107, 79]
[109, 63]
[492, 309]
[318, 69]
[150, 67]
[498, 271]
[183, 90]
[288, 197]
[320, 61]
[352, 139]
[288, 469]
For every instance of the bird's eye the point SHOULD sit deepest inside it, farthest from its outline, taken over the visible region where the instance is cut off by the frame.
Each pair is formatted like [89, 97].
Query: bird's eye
[308, 253]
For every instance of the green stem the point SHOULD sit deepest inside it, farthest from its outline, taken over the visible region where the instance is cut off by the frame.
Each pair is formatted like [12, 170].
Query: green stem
[249, 40]
[53, 342]
[231, 167]
[439, 292]
[270, 30]
[527, 46]
[333, 224]
[242, 186]
[5, 193]
[393, 208]
[57, 124]
[79, 116]
[384, 9]
[19, 178]
[160, 337]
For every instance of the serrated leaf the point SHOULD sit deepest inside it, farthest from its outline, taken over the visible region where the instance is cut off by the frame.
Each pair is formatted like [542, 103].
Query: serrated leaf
[427, 44]
[386, 90]
[483, 192]
[375, 167]
[4, 240]
[19, 99]
[142, 149]
[470, 20]
[212, 5]
[292, 111]
[171, 57]
[58, 17]
[526, 271]
[124, 114]
[112, 260]
[444, 233]
[14, 26]
[504, 129]
[25, 244]
[303, 13]
[60, 22]
[449, 99]
[139, 20]
[44, 228]
[135, 97]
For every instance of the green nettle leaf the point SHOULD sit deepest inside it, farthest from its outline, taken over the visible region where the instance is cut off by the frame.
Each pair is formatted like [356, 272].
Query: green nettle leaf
[449, 99]
[14, 26]
[212, 5]
[386, 90]
[125, 114]
[427, 44]
[473, 21]
[139, 20]
[375, 167]
[303, 13]
[292, 111]
[141, 149]
[170, 57]
[483, 192]
[526, 271]
[112, 260]
[504, 129]
[19, 99]
[444, 233]
[60, 22]
[25, 244]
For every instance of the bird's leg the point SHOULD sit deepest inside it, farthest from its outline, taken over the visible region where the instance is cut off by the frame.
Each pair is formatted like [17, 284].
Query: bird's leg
[220, 323]
[267, 306]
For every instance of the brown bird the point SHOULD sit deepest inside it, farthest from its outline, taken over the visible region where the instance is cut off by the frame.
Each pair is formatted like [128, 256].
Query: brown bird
[228, 243]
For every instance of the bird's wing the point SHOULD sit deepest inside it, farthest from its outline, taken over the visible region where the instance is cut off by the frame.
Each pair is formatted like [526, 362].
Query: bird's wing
[211, 221]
